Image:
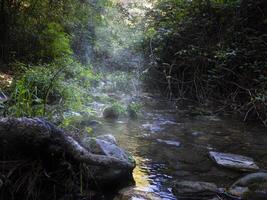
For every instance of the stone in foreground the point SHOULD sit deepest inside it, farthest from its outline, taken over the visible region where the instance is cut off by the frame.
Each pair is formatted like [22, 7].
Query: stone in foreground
[195, 190]
[234, 161]
[132, 193]
[252, 186]
[106, 145]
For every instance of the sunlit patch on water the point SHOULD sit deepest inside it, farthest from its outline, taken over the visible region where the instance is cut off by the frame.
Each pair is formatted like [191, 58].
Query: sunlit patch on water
[141, 175]
[148, 177]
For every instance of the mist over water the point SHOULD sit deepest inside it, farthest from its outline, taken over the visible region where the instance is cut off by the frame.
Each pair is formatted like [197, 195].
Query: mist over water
[119, 35]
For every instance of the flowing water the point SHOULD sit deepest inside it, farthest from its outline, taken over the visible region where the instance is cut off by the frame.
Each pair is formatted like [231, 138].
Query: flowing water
[169, 143]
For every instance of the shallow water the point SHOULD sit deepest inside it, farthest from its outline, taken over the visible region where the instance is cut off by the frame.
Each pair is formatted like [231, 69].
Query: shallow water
[169, 145]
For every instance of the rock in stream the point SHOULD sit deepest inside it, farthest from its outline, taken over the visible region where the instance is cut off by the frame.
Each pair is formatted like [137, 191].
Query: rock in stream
[252, 186]
[195, 189]
[107, 145]
[169, 142]
[234, 161]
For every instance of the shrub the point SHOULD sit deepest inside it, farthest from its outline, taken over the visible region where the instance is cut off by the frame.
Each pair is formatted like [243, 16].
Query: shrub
[37, 90]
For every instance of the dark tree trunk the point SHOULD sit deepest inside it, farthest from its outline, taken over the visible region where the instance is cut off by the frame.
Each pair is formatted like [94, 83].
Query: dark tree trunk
[3, 31]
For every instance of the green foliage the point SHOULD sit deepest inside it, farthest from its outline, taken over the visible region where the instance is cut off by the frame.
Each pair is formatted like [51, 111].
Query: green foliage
[119, 108]
[211, 50]
[42, 87]
[133, 110]
[55, 43]
[36, 31]
[28, 92]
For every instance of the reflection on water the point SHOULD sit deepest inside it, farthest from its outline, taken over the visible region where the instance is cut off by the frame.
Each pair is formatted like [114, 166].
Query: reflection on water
[140, 175]
[159, 163]
[147, 178]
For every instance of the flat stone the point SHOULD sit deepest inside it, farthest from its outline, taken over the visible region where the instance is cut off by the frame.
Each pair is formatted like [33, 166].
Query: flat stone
[234, 161]
[195, 189]
[153, 128]
[169, 142]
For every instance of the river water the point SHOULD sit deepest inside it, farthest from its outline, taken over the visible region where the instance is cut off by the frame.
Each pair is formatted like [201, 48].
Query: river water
[169, 144]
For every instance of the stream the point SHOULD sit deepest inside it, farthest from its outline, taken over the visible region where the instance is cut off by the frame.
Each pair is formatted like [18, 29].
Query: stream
[169, 143]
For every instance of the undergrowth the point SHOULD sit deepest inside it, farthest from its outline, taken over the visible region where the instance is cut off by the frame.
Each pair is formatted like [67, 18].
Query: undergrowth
[50, 90]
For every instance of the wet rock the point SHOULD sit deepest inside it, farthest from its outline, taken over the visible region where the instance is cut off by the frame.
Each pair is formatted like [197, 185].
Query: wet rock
[234, 161]
[153, 128]
[238, 191]
[169, 142]
[250, 186]
[131, 193]
[109, 138]
[195, 190]
[110, 113]
[250, 179]
[106, 145]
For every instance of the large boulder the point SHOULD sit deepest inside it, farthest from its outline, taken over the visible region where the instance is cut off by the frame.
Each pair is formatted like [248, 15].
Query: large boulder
[195, 189]
[106, 145]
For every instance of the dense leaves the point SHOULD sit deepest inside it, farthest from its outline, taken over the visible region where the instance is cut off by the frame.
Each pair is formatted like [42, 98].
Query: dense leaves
[208, 49]
[34, 30]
